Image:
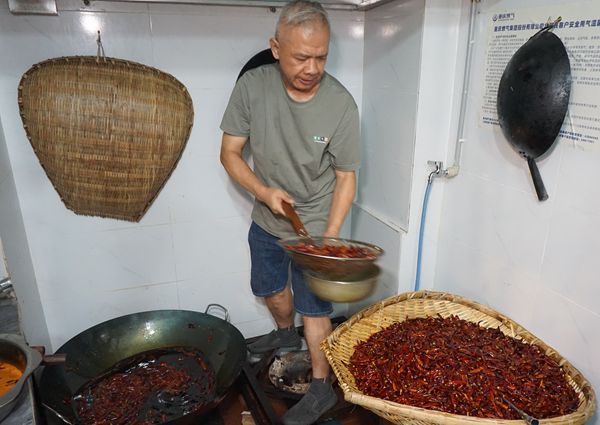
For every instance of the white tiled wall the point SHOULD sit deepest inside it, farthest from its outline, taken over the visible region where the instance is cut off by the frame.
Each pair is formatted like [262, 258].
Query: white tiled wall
[536, 262]
[190, 248]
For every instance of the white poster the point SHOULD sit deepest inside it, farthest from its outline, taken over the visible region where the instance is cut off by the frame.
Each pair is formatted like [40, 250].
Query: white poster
[579, 30]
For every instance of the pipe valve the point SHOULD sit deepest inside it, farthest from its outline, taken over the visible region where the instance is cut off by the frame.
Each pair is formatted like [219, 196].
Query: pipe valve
[439, 169]
[5, 284]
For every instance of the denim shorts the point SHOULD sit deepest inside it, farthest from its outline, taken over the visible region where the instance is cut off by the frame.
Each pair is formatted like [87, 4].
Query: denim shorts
[270, 270]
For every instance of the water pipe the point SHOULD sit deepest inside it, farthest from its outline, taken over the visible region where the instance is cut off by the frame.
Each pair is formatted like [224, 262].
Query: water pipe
[460, 137]
[438, 172]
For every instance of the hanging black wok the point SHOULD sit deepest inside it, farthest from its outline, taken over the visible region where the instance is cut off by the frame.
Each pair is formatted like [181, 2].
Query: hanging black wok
[533, 97]
[99, 348]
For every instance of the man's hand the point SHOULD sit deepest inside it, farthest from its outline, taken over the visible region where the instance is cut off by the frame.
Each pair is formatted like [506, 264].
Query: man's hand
[273, 197]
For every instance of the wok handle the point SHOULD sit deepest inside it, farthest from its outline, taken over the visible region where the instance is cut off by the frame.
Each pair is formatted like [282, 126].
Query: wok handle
[537, 180]
[219, 307]
[50, 359]
[292, 215]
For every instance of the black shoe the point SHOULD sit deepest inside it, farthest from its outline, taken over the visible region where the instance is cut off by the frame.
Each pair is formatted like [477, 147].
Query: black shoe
[319, 398]
[280, 338]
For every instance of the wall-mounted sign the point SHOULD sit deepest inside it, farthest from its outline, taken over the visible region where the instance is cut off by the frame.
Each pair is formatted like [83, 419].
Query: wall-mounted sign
[579, 30]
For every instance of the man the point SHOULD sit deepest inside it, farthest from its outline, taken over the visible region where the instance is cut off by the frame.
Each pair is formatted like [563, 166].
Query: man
[303, 131]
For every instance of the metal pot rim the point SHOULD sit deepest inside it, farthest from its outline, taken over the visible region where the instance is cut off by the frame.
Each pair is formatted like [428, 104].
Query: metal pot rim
[369, 273]
[33, 360]
[374, 249]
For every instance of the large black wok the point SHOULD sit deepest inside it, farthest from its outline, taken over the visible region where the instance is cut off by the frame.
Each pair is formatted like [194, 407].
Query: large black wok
[533, 97]
[97, 349]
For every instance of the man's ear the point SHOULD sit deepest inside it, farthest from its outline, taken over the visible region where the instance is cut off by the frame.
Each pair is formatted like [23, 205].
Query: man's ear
[274, 47]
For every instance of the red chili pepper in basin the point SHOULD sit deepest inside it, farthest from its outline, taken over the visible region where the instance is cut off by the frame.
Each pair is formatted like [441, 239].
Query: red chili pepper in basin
[338, 251]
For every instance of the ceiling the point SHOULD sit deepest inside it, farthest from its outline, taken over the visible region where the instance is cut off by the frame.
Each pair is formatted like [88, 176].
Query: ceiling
[48, 7]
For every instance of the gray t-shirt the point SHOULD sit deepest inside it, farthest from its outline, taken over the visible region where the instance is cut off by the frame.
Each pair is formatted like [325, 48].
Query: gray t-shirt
[296, 146]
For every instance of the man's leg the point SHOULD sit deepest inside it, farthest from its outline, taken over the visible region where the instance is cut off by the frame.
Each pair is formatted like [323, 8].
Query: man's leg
[269, 278]
[281, 307]
[285, 336]
[316, 329]
[320, 396]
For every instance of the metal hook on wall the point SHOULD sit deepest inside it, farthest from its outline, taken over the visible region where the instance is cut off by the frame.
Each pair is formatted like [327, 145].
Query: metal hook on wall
[100, 53]
[550, 24]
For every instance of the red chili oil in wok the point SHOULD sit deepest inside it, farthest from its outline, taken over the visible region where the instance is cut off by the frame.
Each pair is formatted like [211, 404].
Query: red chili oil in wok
[153, 387]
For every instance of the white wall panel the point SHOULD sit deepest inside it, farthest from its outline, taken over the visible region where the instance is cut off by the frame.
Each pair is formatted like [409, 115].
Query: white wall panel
[439, 85]
[391, 76]
[14, 249]
[392, 60]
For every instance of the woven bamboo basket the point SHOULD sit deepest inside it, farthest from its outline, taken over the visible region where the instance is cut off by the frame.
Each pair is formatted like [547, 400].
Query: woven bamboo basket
[107, 132]
[339, 347]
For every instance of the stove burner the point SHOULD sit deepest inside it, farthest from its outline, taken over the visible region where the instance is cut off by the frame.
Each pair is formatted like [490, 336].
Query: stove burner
[291, 372]
[281, 375]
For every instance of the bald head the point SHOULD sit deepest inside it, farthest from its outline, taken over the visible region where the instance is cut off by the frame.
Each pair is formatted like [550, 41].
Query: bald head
[302, 13]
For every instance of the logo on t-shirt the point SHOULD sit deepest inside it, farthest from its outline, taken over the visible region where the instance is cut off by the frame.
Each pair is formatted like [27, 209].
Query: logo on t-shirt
[320, 139]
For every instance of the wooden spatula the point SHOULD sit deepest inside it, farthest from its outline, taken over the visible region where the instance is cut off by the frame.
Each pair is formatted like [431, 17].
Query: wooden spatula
[292, 215]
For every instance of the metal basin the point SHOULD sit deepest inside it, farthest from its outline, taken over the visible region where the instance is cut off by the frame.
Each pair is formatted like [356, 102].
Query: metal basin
[334, 267]
[354, 287]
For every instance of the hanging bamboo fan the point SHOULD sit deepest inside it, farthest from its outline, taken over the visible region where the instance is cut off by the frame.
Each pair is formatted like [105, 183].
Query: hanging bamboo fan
[108, 132]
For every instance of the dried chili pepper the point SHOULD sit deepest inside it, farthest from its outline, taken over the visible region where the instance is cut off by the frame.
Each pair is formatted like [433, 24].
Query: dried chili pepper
[338, 251]
[455, 366]
[151, 388]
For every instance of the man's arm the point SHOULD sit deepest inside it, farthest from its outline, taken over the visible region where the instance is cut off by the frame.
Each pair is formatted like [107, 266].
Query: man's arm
[240, 172]
[343, 195]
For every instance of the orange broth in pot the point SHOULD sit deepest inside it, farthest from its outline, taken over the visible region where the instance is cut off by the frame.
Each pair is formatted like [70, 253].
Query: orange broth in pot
[9, 376]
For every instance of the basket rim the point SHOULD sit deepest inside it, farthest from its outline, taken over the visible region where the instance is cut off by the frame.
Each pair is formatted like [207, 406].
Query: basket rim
[585, 391]
[100, 61]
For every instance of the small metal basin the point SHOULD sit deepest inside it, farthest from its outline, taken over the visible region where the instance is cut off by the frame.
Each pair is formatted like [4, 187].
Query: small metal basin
[14, 350]
[345, 289]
